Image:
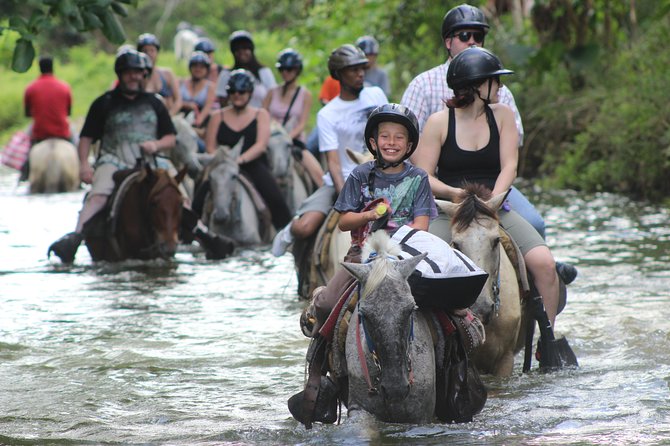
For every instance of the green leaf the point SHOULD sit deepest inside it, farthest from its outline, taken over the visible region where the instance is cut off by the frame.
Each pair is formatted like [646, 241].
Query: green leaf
[24, 53]
[91, 20]
[111, 28]
[18, 23]
[120, 9]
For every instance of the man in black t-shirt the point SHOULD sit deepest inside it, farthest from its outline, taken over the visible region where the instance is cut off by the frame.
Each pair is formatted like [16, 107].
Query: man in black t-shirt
[129, 123]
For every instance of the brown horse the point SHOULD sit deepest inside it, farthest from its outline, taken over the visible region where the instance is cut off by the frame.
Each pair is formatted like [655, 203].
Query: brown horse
[142, 219]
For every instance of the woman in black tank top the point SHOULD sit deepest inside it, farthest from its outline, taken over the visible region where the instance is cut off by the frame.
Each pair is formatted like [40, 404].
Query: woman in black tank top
[475, 141]
[237, 120]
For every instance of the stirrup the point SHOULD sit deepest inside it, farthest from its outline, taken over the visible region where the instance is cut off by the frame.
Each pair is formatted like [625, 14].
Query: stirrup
[325, 410]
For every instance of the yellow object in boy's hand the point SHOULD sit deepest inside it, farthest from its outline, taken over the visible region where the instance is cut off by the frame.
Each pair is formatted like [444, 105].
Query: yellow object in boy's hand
[381, 209]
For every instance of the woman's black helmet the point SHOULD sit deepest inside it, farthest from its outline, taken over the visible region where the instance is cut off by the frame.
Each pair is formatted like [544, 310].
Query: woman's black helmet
[368, 44]
[132, 60]
[205, 45]
[240, 37]
[472, 66]
[147, 39]
[289, 59]
[393, 113]
[461, 17]
[345, 56]
[240, 80]
[199, 57]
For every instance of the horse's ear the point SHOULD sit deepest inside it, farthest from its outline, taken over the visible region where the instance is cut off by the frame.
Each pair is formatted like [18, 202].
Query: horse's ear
[180, 176]
[448, 207]
[497, 201]
[407, 266]
[359, 270]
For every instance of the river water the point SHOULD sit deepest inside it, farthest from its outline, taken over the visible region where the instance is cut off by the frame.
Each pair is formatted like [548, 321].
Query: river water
[207, 352]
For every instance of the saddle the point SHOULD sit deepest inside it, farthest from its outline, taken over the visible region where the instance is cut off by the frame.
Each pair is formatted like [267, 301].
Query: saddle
[313, 257]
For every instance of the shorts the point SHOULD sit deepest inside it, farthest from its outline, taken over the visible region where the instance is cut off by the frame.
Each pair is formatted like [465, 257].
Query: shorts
[321, 200]
[103, 183]
[522, 232]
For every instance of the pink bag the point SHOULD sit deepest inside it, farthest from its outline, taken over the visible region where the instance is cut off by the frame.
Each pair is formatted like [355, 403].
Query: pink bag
[16, 150]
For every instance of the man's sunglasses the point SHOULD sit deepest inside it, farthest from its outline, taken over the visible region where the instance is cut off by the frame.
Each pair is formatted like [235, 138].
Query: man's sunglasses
[464, 36]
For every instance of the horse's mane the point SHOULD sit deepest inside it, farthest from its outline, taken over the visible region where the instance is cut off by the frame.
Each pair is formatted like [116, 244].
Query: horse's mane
[380, 246]
[472, 206]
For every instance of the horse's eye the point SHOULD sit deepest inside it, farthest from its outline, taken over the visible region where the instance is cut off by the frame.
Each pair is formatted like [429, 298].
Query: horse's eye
[495, 242]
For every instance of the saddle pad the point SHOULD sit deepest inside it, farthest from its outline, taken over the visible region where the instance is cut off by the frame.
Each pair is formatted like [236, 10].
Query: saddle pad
[446, 278]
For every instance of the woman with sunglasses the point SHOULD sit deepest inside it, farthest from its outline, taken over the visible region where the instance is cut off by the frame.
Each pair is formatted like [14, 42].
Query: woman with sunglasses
[474, 140]
[289, 104]
[242, 47]
[462, 27]
[241, 120]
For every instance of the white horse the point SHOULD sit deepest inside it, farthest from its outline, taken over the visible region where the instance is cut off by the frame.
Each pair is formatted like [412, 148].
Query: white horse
[54, 167]
[293, 178]
[184, 42]
[475, 231]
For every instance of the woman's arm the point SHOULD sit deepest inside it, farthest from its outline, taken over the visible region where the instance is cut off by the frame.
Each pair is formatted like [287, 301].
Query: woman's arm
[262, 138]
[509, 151]
[267, 99]
[302, 121]
[209, 103]
[212, 130]
[428, 153]
[175, 104]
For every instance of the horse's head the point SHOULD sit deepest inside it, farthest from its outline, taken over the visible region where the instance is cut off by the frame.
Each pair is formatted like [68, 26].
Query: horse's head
[164, 206]
[386, 312]
[223, 173]
[475, 232]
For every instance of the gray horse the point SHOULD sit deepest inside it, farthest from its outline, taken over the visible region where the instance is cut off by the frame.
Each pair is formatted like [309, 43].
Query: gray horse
[233, 206]
[389, 349]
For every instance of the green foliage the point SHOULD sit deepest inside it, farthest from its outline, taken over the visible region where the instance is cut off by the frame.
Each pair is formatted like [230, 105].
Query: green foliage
[31, 18]
[626, 146]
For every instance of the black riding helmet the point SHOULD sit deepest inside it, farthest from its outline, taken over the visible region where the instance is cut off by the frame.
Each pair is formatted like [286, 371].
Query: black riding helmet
[240, 37]
[289, 59]
[132, 60]
[205, 45]
[345, 56]
[368, 44]
[472, 66]
[199, 57]
[392, 113]
[240, 80]
[462, 17]
[147, 39]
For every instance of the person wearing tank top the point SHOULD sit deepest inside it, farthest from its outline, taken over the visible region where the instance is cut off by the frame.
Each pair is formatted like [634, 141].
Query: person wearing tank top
[475, 141]
[289, 104]
[240, 120]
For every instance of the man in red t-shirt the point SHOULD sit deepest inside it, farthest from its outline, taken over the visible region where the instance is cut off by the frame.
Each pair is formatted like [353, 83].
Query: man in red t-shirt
[48, 101]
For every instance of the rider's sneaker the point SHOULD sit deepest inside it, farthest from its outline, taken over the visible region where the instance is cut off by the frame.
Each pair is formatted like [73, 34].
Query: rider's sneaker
[66, 247]
[216, 247]
[325, 410]
[566, 272]
[282, 241]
